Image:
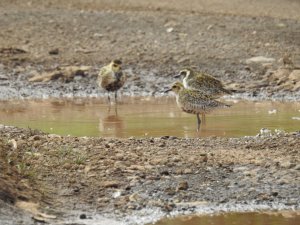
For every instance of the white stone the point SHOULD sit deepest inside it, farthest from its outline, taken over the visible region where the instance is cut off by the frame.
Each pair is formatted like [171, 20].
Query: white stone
[170, 29]
[260, 59]
[273, 111]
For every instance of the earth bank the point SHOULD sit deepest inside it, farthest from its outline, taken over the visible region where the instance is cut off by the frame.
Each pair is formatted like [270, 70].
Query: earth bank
[128, 176]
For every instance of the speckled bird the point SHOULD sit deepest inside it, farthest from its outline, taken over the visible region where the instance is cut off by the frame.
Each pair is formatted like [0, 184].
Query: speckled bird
[111, 77]
[194, 102]
[203, 82]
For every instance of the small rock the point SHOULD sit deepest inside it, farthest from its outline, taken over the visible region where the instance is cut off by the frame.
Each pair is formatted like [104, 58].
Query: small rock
[13, 144]
[176, 159]
[170, 29]
[103, 200]
[281, 25]
[273, 111]
[264, 197]
[137, 167]
[117, 194]
[164, 137]
[135, 197]
[54, 51]
[260, 59]
[82, 216]
[295, 75]
[164, 173]
[210, 27]
[110, 184]
[223, 200]
[204, 158]
[183, 185]
[187, 171]
[3, 77]
[265, 132]
[99, 35]
[168, 207]
[291, 202]
[34, 138]
[67, 166]
[297, 167]
[283, 181]
[161, 145]
[170, 191]
[287, 165]
[131, 206]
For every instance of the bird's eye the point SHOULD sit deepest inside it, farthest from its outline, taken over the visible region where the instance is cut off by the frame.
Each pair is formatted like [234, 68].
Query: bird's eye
[114, 65]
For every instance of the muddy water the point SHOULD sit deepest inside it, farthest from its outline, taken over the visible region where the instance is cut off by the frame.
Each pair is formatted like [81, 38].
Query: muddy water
[285, 218]
[147, 117]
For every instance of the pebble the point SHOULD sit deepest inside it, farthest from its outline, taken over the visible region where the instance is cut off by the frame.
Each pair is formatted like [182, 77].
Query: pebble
[54, 51]
[82, 216]
[187, 171]
[183, 185]
[287, 165]
[282, 182]
[13, 144]
[297, 167]
[110, 184]
[260, 59]
[170, 29]
[3, 77]
[162, 145]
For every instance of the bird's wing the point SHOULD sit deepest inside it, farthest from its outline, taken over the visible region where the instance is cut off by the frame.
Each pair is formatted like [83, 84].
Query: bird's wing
[195, 101]
[208, 80]
[105, 76]
[123, 78]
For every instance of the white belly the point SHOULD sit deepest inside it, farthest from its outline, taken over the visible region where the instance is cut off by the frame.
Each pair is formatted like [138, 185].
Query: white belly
[185, 83]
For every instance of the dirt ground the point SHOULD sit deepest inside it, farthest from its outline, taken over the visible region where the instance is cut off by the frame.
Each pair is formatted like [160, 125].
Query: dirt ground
[60, 179]
[154, 40]
[122, 177]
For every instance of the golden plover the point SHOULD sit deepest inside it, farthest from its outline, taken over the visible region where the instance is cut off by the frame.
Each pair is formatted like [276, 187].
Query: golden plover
[203, 82]
[194, 102]
[111, 77]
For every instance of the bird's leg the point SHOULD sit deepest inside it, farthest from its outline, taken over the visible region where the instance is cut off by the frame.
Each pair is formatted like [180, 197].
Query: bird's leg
[198, 122]
[108, 97]
[116, 96]
[203, 118]
[116, 110]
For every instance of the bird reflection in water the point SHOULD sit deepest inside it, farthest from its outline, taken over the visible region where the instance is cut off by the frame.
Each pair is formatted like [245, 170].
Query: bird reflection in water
[112, 124]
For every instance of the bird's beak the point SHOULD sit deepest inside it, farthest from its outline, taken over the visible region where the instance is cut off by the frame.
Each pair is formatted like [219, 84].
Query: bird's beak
[177, 75]
[168, 90]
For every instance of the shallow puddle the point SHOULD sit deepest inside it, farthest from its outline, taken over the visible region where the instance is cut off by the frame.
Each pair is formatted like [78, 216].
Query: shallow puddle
[272, 218]
[147, 117]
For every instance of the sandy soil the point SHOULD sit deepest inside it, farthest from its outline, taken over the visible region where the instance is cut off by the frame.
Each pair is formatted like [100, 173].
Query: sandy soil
[61, 179]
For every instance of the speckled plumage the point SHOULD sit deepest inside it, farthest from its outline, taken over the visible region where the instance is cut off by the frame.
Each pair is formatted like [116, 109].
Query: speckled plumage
[111, 77]
[203, 82]
[195, 102]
